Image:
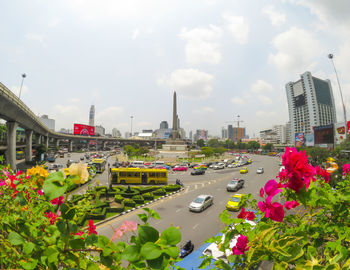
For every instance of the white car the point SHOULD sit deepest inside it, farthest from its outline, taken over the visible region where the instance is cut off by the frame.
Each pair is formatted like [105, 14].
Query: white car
[219, 166]
[232, 165]
[201, 202]
[260, 170]
[213, 249]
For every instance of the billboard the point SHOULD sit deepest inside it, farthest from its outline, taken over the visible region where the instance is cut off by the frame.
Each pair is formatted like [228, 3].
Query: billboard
[80, 129]
[339, 130]
[299, 139]
[324, 134]
[309, 140]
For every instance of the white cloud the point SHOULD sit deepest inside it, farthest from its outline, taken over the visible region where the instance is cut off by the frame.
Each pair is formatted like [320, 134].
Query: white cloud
[202, 45]
[261, 87]
[237, 100]
[204, 110]
[297, 51]
[36, 37]
[190, 83]
[74, 100]
[109, 117]
[265, 99]
[264, 114]
[66, 115]
[135, 34]
[238, 27]
[275, 17]
[17, 89]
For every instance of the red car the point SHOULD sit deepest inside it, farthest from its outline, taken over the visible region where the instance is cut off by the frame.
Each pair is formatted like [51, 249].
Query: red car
[180, 168]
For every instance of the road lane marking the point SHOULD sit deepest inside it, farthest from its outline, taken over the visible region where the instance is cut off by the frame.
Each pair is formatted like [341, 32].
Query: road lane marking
[195, 226]
[195, 186]
[178, 210]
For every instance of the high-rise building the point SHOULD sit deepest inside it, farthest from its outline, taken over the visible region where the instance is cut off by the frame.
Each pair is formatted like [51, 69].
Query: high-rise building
[92, 116]
[268, 136]
[280, 130]
[100, 130]
[230, 133]
[164, 125]
[116, 133]
[310, 104]
[50, 123]
[224, 133]
[238, 133]
[190, 135]
[201, 134]
[288, 133]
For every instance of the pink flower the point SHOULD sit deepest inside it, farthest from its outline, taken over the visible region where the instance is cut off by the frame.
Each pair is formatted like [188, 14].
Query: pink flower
[322, 173]
[291, 204]
[57, 201]
[346, 169]
[91, 227]
[246, 214]
[261, 192]
[298, 171]
[40, 192]
[241, 246]
[272, 211]
[127, 226]
[271, 189]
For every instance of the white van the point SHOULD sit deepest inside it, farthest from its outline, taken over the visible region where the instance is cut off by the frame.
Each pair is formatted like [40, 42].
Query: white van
[159, 163]
[136, 163]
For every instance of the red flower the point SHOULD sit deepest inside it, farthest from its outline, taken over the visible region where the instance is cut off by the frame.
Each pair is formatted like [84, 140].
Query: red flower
[291, 204]
[241, 246]
[299, 172]
[246, 214]
[91, 227]
[57, 201]
[52, 217]
[322, 173]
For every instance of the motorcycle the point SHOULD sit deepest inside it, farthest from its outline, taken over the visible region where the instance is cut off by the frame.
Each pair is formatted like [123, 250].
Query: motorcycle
[178, 182]
[186, 249]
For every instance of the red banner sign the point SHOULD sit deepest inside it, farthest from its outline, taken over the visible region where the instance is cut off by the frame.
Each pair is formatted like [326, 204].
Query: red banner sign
[80, 129]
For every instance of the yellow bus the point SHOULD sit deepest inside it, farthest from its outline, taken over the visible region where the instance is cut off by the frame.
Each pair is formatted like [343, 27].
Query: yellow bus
[139, 176]
[99, 164]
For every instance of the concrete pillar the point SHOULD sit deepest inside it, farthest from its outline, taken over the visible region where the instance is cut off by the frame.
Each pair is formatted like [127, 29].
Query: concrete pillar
[38, 139]
[29, 138]
[57, 142]
[11, 144]
[104, 145]
[70, 146]
[46, 142]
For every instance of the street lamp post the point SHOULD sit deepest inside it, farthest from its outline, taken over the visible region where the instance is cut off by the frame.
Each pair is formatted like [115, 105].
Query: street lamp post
[330, 56]
[131, 117]
[20, 89]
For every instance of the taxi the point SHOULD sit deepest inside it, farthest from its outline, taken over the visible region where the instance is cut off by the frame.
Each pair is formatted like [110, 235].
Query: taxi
[235, 203]
[244, 170]
[200, 167]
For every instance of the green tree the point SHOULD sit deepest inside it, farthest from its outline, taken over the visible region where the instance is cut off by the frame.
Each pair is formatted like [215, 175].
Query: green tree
[213, 143]
[219, 150]
[200, 143]
[254, 145]
[142, 151]
[207, 151]
[317, 154]
[268, 146]
[129, 150]
[229, 144]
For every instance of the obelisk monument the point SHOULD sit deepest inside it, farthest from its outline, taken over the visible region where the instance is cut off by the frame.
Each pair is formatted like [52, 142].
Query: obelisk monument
[175, 143]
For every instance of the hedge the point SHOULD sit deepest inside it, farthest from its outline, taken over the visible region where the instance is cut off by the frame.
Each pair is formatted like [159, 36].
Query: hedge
[115, 209]
[129, 202]
[118, 198]
[148, 196]
[97, 215]
[159, 192]
[130, 194]
[171, 188]
[138, 199]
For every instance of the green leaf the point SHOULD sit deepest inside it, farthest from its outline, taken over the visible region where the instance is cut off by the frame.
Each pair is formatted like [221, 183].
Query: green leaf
[54, 187]
[92, 266]
[280, 266]
[67, 212]
[150, 251]
[172, 251]
[102, 241]
[61, 226]
[107, 261]
[143, 217]
[28, 247]
[15, 238]
[225, 217]
[171, 235]
[147, 234]
[29, 265]
[91, 239]
[131, 253]
[77, 243]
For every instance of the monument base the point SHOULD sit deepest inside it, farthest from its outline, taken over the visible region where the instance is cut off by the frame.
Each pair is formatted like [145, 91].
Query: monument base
[174, 147]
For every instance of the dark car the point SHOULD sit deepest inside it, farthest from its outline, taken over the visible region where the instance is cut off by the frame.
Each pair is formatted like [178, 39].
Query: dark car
[198, 172]
[235, 184]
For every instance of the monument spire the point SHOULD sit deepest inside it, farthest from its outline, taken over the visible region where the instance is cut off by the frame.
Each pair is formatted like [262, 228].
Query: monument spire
[174, 112]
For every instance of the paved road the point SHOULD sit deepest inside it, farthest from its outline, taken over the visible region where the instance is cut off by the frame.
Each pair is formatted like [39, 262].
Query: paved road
[200, 226]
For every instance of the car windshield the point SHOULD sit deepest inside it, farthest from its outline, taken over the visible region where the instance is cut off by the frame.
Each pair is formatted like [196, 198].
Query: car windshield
[235, 199]
[198, 200]
[260, 169]
[234, 182]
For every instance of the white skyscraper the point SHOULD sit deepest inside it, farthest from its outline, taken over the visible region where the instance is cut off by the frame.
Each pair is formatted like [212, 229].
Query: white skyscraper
[310, 103]
[92, 116]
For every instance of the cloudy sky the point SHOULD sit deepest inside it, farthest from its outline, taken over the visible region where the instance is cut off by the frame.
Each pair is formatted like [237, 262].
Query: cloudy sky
[224, 58]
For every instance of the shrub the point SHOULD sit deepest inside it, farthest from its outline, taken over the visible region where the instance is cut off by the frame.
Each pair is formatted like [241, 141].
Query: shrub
[99, 188]
[115, 209]
[148, 196]
[138, 199]
[159, 192]
[148, 189]
[129, 193]
[172, 188]
[97, 214]
[129, 202]
[118, 198]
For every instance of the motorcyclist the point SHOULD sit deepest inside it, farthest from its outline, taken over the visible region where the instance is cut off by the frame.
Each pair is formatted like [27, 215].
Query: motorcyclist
[178, 182]
[188, 245]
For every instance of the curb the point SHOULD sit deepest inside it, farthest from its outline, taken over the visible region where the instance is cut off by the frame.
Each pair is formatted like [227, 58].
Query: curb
[138, 207]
